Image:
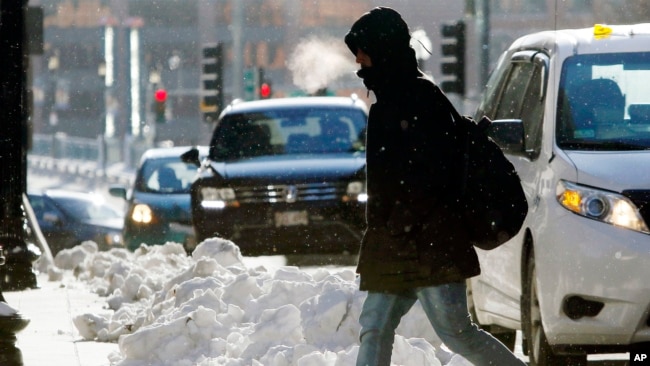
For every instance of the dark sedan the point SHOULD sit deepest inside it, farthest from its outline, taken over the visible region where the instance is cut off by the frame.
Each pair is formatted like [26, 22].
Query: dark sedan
[159, 202]
[285, 176]
[69, 218]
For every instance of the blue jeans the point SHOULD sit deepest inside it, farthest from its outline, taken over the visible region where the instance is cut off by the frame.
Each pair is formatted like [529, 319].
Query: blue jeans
[446, 308]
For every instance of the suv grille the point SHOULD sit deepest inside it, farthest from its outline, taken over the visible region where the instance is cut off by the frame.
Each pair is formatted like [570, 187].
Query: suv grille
[290, 193]
[641, 199]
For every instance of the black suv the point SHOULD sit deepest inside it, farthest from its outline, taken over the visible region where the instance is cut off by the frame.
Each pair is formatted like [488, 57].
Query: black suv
[284, 176]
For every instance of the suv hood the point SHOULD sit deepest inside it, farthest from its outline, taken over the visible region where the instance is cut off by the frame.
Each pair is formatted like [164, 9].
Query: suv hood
[287, 168]
[616, 171]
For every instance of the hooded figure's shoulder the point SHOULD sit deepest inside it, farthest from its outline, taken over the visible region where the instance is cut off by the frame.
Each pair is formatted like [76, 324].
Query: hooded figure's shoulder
[427, 96]
[427, 88]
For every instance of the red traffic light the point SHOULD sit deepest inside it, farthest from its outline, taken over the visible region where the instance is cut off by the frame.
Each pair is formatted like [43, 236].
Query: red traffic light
[265, 90]
[160, 95]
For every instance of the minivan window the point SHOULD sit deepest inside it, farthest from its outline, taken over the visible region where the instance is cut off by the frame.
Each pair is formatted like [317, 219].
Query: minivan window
[603, 102]
[522, 100]
[532, 113]
[511, 101]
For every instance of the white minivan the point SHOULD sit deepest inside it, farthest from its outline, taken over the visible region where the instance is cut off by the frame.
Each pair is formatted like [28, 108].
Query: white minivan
[572, 112]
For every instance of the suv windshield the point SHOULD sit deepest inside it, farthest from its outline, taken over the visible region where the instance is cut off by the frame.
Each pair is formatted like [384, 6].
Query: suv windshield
[604, 102]
[296, 130]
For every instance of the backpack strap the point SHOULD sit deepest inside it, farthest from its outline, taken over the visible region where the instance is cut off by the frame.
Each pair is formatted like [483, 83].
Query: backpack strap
[452, 110]
[462, 142]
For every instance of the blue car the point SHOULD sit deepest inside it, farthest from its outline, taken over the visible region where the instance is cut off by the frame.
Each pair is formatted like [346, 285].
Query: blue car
[69, 218]
[159, 202]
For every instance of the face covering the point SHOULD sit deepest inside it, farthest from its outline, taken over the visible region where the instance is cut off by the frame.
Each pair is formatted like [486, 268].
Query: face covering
[370, 77]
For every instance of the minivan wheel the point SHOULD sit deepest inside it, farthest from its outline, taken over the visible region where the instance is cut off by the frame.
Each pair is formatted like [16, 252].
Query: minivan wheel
[540, 352]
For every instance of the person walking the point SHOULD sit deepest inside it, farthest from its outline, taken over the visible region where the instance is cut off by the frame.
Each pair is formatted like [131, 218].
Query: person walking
[414, 247]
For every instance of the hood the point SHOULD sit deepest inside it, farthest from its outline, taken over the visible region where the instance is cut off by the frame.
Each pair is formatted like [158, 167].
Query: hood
[384, 36]
[381, 33]
[288, 169]
[174, 207]
[616, 171]
[115, 224]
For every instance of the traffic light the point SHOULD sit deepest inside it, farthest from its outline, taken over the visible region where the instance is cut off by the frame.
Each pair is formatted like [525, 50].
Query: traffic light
[212, 82]
[160, 105]
[453, 52]
[264, 89]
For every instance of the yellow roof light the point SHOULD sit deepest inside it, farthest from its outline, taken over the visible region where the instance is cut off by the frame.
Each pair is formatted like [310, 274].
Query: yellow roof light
[602, 31]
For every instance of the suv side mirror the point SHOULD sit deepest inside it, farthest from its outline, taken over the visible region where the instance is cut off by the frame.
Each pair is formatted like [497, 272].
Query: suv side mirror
[509, 135]
[191, 157]
[118, 191]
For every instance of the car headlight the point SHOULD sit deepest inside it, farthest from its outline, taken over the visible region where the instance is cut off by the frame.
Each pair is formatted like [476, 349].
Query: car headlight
[356, 191]
[114, 239]
[217, 197]
[600, 205]
[142, 214]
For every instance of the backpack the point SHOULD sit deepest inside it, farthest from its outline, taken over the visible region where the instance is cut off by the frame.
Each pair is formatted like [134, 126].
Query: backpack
[494, 201]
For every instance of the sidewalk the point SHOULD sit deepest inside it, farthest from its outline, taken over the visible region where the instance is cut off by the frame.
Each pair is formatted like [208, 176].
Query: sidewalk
[51, 337]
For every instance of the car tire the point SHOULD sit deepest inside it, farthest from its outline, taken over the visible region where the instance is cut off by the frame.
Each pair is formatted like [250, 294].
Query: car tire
[538, 349]
[506, 336]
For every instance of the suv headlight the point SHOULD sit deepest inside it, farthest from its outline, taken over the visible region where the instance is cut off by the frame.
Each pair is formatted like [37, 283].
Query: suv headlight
[217, 197]
[600, 205]
[356, 191]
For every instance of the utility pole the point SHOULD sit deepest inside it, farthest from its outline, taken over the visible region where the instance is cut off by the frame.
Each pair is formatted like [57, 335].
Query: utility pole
[483, 29]
[238, 48]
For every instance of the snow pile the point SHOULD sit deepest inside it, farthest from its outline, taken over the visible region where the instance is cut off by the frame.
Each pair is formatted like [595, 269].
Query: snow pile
[165, 308]
[6, 310]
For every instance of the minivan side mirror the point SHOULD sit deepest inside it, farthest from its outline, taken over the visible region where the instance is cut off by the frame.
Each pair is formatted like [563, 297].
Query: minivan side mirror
[509, 135]
[191, 157]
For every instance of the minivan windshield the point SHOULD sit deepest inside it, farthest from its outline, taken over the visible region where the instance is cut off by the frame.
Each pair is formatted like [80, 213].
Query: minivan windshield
[297, 130]
[604, 102]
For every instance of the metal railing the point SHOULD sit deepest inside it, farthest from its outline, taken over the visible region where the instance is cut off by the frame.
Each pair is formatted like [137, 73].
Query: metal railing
[101, 150]
[110, 160]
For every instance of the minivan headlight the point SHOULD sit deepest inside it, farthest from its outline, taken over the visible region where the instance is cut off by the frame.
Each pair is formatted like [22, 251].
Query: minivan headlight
[600, 205]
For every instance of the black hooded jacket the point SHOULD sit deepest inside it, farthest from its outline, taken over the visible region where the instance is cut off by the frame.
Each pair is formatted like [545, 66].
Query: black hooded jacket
[415, 234]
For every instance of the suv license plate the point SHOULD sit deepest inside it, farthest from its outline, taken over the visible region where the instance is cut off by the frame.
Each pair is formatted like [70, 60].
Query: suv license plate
[291, 218]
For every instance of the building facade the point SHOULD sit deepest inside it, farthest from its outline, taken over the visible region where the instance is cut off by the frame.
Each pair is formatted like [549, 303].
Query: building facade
[104, 59]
